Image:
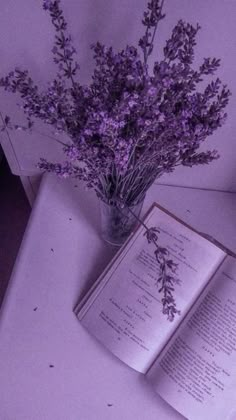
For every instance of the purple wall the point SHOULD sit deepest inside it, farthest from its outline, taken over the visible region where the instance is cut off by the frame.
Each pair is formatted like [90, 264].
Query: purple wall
[26, 38]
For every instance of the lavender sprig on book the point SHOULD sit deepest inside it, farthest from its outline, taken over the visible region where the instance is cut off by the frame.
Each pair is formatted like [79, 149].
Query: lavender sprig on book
[167, 277]
[167, 274]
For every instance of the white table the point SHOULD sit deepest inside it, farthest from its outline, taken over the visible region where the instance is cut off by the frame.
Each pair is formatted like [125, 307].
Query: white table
[50, 368]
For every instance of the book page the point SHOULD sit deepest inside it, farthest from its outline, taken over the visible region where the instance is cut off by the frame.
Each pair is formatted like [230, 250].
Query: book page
[197, 372]
[126, 314]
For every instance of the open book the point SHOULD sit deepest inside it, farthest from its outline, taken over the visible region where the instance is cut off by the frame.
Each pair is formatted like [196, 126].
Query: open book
[191, 361]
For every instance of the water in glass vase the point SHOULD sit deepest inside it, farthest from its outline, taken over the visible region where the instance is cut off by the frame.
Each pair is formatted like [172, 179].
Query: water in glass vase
[118, 223]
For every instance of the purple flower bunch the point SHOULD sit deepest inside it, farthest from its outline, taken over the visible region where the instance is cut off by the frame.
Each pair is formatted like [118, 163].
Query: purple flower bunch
[131, 124]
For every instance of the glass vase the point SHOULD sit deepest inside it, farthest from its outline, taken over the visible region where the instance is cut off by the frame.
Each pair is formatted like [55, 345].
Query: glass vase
[118, 223]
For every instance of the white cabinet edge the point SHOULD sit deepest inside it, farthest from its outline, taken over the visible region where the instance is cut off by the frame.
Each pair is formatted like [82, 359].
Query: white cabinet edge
[31, 186]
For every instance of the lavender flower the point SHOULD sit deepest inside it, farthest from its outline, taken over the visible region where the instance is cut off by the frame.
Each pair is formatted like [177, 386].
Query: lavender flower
[131, 124]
